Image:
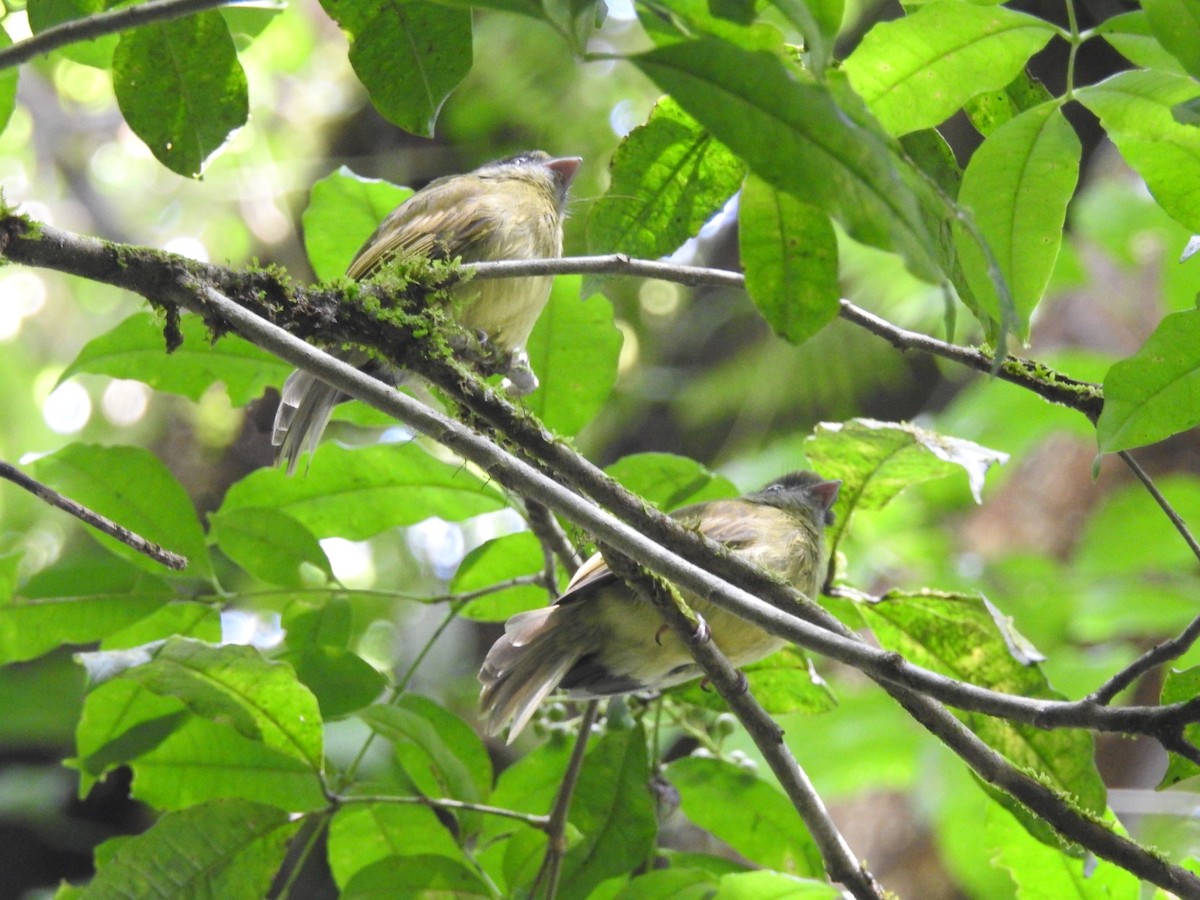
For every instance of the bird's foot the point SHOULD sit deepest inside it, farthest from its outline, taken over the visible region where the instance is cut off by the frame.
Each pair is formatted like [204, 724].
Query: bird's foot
[519, 378]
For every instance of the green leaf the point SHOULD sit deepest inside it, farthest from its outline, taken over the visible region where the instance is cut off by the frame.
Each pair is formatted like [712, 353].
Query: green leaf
[668, 177]
[1181, 687]
[1130, 35]
[408, 55]
[181, 88]
[964, 637]
[132, 488]
[234, 685]
[228, 848]
[669, 481]
[8, 85]
[181, 618]
[10, 564]
[742, 885]
[343, 682]
[1135, 109]
[674, 883]
[671, 21]
[1039, 870]
[358, 493]
[415, 877]
[44, 14]
[135, 349]
[248, 21]
[202, 760]
[574, 349]
[991, 109]
[793, 135]
[754, 818]
[1156, 392]
[613, 811]
[1017, 185]
[529, 784]
[448, 758]
[789, 251]
[877, 460]
[75, 603]
[494, 562]
[1176, 23]
[917, 71]
[120, 721]
[269, 545]
[784, 682]
[317, 639]
[364, 833]
[180, 760]
[343, 210]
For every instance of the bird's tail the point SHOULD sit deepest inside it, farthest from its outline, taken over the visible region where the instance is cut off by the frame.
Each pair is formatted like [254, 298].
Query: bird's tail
[304, 411]
[523, 667]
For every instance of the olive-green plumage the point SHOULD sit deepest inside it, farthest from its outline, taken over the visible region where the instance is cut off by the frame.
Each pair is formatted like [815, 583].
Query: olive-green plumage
[510, 209]
[600, 639]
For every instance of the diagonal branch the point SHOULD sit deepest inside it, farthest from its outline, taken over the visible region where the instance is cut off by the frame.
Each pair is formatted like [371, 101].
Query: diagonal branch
[147, 548]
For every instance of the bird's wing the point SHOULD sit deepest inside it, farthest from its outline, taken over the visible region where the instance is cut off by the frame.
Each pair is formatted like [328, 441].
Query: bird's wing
[594, 571]
[731, 530]
[432, 223]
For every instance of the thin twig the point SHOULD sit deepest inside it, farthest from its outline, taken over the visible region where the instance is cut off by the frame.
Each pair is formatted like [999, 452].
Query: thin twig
[556, 544]
[108, 526]
[543, 524]
[556, 824]
[1169, 649]
[101, 24]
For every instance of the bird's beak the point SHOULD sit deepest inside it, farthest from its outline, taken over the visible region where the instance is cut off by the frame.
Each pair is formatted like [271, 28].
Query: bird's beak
[564, 169]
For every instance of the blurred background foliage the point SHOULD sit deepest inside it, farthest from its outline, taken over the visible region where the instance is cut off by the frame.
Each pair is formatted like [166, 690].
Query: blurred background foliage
[701, 376]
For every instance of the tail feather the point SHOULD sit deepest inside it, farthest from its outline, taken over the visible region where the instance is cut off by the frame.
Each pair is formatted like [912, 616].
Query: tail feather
[304, 411]
[522, 668]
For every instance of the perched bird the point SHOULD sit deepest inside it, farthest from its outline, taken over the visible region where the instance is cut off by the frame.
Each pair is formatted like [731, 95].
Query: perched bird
[599, 638]
[510, 209]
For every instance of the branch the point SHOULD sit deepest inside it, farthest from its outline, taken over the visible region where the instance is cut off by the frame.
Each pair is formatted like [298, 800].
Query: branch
[543, 524]
[108, 526]
[556, 823]
[841, 865]
[180, 283]
[101, 24]
[1083, 396]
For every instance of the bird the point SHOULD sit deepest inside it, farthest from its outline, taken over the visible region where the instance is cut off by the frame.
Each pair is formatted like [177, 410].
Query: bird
[509, 209]
[600, 639]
